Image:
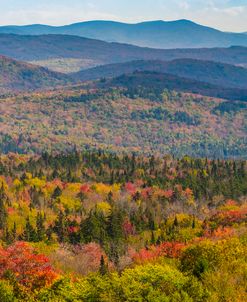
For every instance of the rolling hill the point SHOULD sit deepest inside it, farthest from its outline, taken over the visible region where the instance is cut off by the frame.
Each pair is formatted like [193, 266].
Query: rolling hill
[150, 83]
[18, 76]
[141, 120]
[143, 110]
[70, 53]
[206, 78]
[224, 75]
[156, 34]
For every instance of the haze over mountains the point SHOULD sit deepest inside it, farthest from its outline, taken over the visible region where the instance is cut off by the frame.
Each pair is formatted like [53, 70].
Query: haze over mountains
[224, 75]
[57, 51]
[156, 34]
[22, 77]
[210, 71]
[99, 80]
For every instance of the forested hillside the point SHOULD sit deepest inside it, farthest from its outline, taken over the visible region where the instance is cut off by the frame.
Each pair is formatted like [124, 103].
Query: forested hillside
[183, 75]
[224, 75]
[157, 82]
[97, 226]
[137, 118]
[19, 76]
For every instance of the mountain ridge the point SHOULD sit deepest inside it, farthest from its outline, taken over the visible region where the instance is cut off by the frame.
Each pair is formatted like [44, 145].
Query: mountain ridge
[156, 34]
[156, 82]
[180, 75]
[46, 47]
[206, 71]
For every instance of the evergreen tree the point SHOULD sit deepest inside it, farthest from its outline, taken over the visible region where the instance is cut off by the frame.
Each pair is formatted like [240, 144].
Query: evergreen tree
[93, 228]
[29, 233]
[3, 215]
[8, 236]
[103, 269]
[57, 193]
[152, 241]
[110, 198]
[114, 253]
[115, 225]
[175, 222]
[60, 227]
[193, 223]
[3, 211]
[14, 232]
[40, 227]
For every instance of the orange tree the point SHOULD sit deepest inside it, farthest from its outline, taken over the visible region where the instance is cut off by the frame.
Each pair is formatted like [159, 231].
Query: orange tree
[20, 264]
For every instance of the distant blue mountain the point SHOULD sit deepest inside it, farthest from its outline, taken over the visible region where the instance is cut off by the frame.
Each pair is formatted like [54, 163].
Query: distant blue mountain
[156, 34]
[45, 47]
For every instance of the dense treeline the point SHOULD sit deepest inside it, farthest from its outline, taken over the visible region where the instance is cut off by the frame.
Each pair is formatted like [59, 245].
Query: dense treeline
[217, 176]
[161, 224]
[154, 185]
[163, 114]
[228, 107]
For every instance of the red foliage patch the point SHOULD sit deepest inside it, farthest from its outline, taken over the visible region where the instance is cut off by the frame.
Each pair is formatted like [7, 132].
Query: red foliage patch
[166, 249]
[28, 268]
[128, 228]
[230, 217]
[85, 188]
[130, 188]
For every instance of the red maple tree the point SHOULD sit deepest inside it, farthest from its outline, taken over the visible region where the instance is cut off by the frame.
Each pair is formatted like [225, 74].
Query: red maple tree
[29, 269]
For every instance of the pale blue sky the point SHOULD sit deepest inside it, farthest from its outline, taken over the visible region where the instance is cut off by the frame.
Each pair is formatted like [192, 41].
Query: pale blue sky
[229, 15]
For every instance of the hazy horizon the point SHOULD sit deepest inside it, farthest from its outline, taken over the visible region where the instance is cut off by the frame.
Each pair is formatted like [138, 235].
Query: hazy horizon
[224, 15]
[116, 21]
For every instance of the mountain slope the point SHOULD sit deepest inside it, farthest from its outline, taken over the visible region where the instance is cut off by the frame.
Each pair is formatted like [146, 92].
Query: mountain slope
[148, 83]
[52, 50]
[19, 76]
[115, 119]
[157, 34]
[205, 71]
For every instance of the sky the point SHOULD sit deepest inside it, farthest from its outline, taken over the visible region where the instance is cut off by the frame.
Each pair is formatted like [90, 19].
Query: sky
[227, 15]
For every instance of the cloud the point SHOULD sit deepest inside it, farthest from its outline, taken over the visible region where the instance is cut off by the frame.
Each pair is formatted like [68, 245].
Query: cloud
[233, 11]
[184, 5]
[53, 17]
[228, 18]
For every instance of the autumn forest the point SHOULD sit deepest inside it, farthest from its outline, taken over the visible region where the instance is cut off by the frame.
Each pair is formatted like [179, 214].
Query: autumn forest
[144, 228]
[123, 151]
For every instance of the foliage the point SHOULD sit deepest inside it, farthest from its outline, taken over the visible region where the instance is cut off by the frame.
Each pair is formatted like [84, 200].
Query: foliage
[144, 120]
[21, 265]
[122, 227]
